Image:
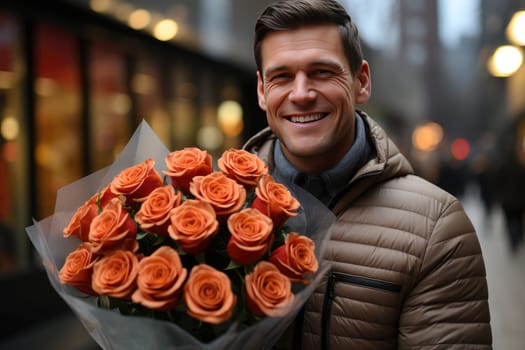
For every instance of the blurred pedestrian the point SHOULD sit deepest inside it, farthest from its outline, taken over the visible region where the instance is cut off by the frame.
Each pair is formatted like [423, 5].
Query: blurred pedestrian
[453, 176]
[482, 169]
[509, 182]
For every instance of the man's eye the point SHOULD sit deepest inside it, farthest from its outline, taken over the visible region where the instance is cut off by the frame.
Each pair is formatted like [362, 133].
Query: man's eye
[321, 72]
[280, 77]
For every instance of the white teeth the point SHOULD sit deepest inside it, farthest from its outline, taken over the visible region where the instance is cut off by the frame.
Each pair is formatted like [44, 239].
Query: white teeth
[306, 118]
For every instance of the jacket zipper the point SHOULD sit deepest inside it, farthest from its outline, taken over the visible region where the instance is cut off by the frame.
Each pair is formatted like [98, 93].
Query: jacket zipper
[335, 277]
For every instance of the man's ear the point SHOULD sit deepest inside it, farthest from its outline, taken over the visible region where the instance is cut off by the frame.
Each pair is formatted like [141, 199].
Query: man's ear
[363, 84]
[260, 92]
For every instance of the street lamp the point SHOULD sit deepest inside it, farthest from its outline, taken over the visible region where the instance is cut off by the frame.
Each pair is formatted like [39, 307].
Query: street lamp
[516, 29]
[505, 61]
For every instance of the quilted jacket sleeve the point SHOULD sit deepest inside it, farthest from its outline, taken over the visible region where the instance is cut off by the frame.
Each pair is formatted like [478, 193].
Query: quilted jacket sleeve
[448, 303]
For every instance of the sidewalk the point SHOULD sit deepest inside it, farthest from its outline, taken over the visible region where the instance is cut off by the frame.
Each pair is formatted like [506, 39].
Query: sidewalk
[505, 275]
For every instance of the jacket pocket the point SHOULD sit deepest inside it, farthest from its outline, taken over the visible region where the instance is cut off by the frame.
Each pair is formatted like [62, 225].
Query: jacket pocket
[333, 279]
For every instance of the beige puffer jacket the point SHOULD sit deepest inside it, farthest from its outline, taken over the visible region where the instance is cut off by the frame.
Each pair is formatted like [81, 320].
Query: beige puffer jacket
[407, 270]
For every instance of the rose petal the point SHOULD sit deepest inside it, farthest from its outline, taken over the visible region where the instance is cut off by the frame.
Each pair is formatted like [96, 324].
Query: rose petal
[160, 279]
[154, 213]
[268, 291]
[251, 235]
[224, 194]
[192, 225]
[185, 164]
[275, 200]
[242, 166]
[208, 295]
[115, 274]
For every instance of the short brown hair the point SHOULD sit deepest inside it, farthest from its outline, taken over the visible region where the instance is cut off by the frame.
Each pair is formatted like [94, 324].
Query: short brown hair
[292, 14]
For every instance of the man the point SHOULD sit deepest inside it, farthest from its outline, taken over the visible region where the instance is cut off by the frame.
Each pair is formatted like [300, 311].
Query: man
[406, 265]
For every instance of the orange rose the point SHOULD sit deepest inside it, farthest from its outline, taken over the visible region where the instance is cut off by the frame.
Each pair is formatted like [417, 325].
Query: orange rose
[115, 274]
[268, 291]
[136, 182]
[160, 280]
[251, 235]
[79, 223]
[77, 269]
[224, 194]
[192, 225]
[296, 258]
[274, 199]
[103, 197]
[113, 228]
[81, 220]
[208, 295]
[185, 164]
[154, 213]
[242, 166]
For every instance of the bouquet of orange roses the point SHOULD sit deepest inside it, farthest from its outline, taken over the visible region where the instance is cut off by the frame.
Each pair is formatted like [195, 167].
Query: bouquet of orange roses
[201, 257]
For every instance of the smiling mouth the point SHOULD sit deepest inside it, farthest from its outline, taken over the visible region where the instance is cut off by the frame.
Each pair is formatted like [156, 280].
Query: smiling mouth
[307, 118]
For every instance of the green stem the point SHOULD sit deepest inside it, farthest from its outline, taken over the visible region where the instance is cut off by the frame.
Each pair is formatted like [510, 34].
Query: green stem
[241, 277]
[248, 268]
[200, 258]
[170, 316]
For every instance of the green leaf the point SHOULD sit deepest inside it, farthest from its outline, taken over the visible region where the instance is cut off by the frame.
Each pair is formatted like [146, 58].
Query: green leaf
[201, 258]
[250, 196]
[159, 240]
[141, 235]
[232, 266]
[104, 301]
[179, 250]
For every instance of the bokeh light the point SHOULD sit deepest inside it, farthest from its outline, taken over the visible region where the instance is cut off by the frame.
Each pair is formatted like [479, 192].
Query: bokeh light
[427, 137]
[229, 114]
[165, 30]
[460, 149]
[516, 28]
[505, 61]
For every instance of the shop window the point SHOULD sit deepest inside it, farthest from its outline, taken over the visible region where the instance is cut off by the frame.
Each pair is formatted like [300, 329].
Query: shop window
[110, 105]
[150, 97]
[230, 116]
[13, 136]
[209, 135]
[183, 107]
[58, 136]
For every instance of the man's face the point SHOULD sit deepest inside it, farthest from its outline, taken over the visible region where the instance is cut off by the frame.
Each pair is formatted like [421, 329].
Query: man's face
[309, 94]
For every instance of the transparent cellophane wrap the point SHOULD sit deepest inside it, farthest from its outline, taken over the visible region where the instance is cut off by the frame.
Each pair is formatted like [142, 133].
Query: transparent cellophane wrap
[109, 328]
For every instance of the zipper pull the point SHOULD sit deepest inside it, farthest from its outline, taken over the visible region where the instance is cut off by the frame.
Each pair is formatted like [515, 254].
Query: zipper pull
[331, 286]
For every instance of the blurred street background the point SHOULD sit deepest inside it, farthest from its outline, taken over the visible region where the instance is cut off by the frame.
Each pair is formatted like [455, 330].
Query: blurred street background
[78, 76]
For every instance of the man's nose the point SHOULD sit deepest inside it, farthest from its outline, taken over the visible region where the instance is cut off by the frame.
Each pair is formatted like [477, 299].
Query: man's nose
[302, 90]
